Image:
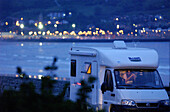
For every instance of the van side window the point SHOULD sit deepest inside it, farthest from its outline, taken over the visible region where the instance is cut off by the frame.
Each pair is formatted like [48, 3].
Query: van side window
[108, 80]
[73, 68]
[86, 68]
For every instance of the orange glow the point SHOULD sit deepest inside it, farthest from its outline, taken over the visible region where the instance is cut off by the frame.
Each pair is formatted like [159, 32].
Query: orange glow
[73, 33]
[17, 23]
[48, 32]
[80, 33]
[78, 83]
[117, 26]
[56, 32]
[49, 22]
[60, 33]
[57, 22]
[36, 24]
[65, 32]
[39, 32]
[6, 23]
[97, 28]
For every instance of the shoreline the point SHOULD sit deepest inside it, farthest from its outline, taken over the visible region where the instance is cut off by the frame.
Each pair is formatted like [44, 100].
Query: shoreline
[87, 40]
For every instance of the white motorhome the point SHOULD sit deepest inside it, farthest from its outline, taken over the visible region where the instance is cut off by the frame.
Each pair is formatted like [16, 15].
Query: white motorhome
[127, 78]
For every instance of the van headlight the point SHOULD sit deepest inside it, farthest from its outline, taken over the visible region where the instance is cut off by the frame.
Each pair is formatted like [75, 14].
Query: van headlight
[165, 102]
[128, 102]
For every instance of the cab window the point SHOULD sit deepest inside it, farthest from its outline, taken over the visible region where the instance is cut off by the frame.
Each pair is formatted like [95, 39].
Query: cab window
[108, 80]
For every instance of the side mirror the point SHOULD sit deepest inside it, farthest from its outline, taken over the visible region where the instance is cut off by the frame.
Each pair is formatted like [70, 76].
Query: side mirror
[103, 87]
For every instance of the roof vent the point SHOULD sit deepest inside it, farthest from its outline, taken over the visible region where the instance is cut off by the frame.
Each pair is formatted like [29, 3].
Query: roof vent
[119, 45]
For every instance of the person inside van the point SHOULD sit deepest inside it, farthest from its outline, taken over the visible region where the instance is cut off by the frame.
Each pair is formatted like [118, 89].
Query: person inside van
[129, 77]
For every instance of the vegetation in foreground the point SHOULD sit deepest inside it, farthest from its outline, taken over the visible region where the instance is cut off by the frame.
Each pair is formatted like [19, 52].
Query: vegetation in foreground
[27, 100]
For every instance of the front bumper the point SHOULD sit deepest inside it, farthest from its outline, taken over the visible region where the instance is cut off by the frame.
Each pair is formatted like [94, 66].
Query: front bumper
[143, 109]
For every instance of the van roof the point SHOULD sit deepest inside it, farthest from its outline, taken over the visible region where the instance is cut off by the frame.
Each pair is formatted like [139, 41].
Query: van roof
[118, 58]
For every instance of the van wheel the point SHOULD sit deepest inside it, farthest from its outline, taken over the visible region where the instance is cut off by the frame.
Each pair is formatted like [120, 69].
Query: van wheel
[113, 109]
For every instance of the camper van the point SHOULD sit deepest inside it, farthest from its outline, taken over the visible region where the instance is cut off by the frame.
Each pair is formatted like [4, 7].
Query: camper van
[127, 78]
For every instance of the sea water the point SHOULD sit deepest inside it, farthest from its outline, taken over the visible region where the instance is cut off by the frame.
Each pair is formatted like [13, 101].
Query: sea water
[32, 57]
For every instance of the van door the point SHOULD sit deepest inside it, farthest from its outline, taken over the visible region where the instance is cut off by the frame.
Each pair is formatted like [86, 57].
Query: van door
[94, 85]
[108, 87]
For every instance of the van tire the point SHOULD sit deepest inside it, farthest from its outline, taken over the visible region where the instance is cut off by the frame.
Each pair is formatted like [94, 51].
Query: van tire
[113, 109]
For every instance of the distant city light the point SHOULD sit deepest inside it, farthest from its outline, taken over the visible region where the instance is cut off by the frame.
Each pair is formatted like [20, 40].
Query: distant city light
[97, 28]
[160, 17]
[22, 26]
[22, 33]
[56, 32]
[22, 18]
[39, 32]
[57, 22]
[35, 33]
[40, 26]
[70, 13]
[60, 34]
[117, 26]
[48, 32]
[43, 33]
[117, 19]
[30, 33]
[36, 24]
[17, 23]
[49, 22]
[156, 19]
[73, 25]
[6, 23]
[64, 14]
[55, 25]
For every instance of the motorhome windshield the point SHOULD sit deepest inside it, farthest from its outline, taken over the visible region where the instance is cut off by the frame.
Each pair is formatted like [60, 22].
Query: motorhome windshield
[138, 79]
